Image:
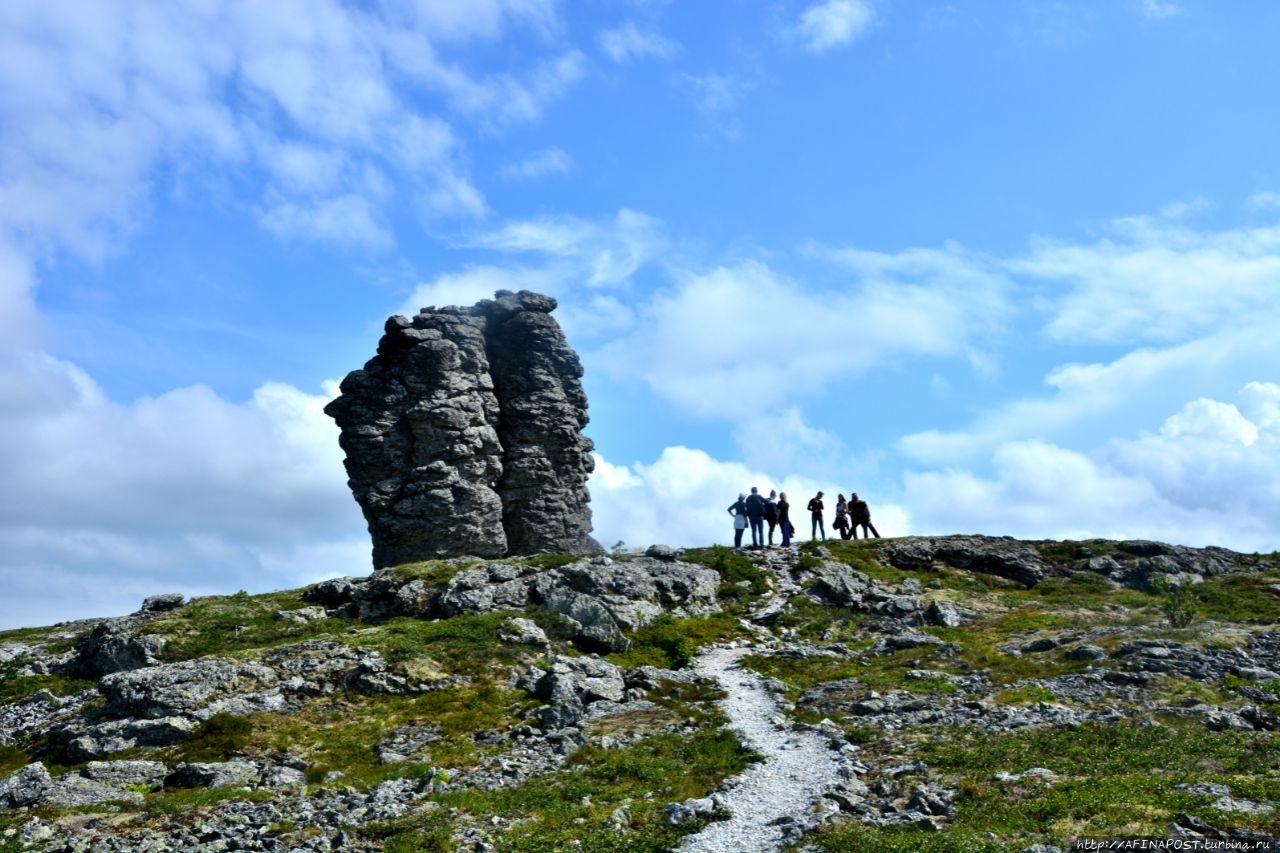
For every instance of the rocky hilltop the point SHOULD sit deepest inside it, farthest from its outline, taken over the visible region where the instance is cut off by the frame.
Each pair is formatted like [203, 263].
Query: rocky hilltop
[463, 435]
[925, 693]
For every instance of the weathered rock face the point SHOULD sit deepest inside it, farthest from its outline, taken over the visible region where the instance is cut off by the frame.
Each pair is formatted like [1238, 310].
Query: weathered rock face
[463, 434]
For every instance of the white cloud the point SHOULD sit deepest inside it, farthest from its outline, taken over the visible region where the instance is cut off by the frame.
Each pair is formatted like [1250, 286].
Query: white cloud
[21, 327]
[348, 219]
[833, 23]
[460, 20]
[183, 491]
[1206, 478]
[608, 254]
[476, 283]
[681, 499]
[1159, 283]
[627, 42]
[549, 161]
[1266, 200]
[747, 332]
[1159, 10]
[96, 100]
[783, 440]
[1096, 395]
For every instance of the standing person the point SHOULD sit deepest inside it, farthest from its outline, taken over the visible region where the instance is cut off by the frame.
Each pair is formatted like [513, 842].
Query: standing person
[738, 509]
[771, 513]
[784, 518]
[755, 514]
[842, 518]
[861, 514]
[815, 507]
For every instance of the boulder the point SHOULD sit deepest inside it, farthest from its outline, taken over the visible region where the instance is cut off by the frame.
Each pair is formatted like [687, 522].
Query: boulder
[26, 787]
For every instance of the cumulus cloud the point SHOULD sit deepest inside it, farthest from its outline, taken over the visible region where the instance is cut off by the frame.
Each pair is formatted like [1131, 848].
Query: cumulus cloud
[1157, 282]
[833, 23]
[680, 499]
[628, 42]
[166, 493]
[307, 98]
[1207, 477]
[747, 332]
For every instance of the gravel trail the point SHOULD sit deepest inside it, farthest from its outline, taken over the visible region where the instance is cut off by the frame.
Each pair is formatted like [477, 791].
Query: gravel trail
[798, 766]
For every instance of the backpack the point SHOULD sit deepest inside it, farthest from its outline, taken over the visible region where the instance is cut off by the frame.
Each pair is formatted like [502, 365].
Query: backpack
[771, 512]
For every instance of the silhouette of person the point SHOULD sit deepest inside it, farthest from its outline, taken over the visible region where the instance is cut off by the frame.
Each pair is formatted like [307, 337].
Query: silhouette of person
[784, 518]
[861, 514]
[815, 507]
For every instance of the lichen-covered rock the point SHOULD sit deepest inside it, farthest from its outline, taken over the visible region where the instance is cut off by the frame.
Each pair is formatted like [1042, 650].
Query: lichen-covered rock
[116, 646]
[25, 787]
[463, 434]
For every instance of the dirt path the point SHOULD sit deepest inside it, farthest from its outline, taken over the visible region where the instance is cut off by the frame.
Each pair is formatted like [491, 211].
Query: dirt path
[798, 766]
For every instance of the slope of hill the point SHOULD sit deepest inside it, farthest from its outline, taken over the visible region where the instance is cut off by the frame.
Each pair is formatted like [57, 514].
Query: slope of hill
[950, 693]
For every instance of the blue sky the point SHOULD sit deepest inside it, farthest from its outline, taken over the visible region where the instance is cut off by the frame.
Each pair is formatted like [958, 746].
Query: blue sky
[1000, 267]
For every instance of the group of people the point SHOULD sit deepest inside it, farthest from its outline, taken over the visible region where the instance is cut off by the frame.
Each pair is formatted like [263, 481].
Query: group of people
[754, 511]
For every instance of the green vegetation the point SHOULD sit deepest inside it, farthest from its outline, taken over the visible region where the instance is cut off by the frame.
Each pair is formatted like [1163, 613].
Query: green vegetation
[466, 644]
[571, 809]
[671, 643]
[227, 623]
[740, 578]
[216, 739]
[1245, 597]
[1178, 601]
[14, 686]
[1111, 778]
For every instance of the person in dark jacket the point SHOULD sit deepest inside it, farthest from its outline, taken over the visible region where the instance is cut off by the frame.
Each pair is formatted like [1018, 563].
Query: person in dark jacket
[860, 514]
[815, 507]
[755, 515]
[784, 518]
[771, 514]
[738, 509]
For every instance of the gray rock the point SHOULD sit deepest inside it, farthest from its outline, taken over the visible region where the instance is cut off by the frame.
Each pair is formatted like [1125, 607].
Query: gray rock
[25, 787]
[463, 435]
[120, 773]
[569, 685]
[197, 688]
[75, 790]
[945, 614]
[663, 552]
[522, 631]
[841, 585]
[220, 774]
[1086, 651]
[116, 646]
[302, 615]
[163, 602]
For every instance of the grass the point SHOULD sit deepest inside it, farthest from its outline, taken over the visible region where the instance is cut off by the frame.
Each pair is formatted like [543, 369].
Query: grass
[14, 686]
[740, 578]
[671, 643]
[571, 809]
[230, 623]
[466, 644]
[342, 733]
[1112, 779]
[1239, 598]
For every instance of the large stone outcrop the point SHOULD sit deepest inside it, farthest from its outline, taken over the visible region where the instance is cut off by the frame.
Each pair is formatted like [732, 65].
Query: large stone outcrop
[464, 436]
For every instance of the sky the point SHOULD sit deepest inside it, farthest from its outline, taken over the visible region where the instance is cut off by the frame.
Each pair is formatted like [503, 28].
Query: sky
[1008, 267]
